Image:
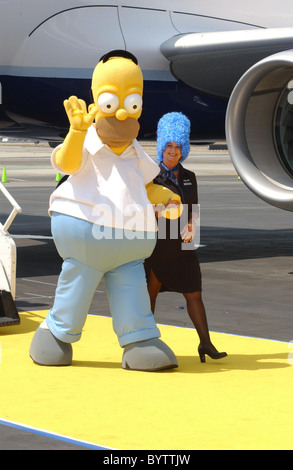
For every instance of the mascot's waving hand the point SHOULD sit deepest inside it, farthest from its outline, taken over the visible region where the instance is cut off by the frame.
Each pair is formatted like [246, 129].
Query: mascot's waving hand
[103, 221]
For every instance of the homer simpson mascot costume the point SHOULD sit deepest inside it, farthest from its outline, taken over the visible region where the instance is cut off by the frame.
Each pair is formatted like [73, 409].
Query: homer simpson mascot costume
[103, 223]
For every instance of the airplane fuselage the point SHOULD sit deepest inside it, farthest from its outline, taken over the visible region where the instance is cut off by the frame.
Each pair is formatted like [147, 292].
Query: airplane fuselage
[48, 53]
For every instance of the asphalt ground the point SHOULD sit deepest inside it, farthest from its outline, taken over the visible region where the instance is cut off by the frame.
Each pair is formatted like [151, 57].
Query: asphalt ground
[245, 255]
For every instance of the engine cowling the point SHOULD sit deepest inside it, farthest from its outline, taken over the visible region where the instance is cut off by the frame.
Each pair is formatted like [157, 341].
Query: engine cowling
[259, 129]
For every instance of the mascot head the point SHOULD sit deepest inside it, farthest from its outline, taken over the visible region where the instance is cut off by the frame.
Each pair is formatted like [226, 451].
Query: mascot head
[117, 87]
[173, 127]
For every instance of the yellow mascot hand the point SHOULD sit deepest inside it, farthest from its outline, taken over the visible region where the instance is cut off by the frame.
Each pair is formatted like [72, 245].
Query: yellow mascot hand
[69, 156]
[80, 119]
[158, 195]
[173, 209]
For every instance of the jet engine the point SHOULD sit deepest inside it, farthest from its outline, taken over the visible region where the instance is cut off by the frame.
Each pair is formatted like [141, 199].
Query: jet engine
[259, 129]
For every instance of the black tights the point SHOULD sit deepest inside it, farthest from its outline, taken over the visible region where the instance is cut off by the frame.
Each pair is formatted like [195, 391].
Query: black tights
[195, 309]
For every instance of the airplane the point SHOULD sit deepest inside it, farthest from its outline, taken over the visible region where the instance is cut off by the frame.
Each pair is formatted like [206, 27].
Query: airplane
[227, 65]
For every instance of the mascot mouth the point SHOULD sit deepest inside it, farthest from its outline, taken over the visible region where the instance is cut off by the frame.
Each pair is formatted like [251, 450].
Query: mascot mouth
[117, 133]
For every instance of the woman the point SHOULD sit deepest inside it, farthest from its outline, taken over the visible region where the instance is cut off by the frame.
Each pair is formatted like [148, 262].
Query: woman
[171, 267]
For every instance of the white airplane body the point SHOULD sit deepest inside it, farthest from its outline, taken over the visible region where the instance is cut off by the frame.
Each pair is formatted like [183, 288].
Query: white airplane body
[219, 62]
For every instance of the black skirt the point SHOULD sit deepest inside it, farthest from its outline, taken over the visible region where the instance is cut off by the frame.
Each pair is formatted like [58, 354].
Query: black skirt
[177, 270]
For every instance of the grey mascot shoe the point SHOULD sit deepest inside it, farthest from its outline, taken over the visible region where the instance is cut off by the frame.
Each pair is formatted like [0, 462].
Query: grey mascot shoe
[149, 356]
[46, 350]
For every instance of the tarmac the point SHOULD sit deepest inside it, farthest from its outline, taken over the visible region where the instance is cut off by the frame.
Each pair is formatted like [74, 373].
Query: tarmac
[245, 255]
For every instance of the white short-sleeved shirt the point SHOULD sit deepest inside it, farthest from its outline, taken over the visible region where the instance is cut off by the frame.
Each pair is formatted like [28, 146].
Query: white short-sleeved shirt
[108, 189]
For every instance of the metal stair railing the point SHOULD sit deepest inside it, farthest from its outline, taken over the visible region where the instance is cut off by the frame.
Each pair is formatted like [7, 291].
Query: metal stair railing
[8, 248]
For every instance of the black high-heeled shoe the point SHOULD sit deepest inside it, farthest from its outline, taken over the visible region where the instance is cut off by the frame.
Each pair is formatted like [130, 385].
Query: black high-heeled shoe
[203, 350]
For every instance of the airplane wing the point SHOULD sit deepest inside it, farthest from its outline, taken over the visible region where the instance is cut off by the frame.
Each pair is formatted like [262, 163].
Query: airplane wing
[213, 62]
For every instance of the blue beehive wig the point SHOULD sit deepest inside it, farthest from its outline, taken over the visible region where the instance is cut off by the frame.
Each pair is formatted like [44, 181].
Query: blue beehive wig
[173, 127]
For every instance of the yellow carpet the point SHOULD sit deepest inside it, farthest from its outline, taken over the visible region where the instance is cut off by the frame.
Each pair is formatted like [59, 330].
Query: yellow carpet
[241, 402]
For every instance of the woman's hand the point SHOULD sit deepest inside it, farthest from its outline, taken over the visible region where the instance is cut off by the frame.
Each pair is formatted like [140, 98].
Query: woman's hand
[188, 231]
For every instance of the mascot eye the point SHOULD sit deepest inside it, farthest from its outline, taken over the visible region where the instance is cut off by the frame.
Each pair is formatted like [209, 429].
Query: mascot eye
[108, 102]
[133, 103]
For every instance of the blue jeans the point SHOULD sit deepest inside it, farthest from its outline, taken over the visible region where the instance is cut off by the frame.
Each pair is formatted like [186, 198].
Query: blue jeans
[89, 253]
